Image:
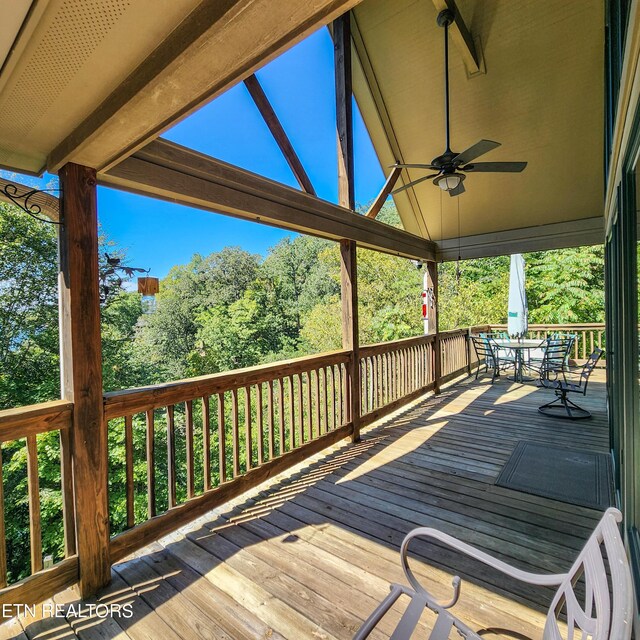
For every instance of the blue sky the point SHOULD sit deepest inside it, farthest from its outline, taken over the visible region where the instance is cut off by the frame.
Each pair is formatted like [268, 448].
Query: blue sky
[300, 86]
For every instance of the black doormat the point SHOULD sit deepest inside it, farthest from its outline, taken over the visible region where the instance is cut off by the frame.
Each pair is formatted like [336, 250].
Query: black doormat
[570, 475]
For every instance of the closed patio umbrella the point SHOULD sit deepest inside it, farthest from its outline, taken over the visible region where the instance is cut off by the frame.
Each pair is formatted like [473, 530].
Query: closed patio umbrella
[517, 322]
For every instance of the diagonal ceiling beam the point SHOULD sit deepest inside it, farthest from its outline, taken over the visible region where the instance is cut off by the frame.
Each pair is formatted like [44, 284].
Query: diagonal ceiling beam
[374, 209]
[277, 131]
[460, 35]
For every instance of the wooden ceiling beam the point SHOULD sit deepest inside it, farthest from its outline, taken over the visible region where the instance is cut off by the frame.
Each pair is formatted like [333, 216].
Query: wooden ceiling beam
[277, 131]
[461, 36]
[216, 46]
[381, 198]
[171, 172]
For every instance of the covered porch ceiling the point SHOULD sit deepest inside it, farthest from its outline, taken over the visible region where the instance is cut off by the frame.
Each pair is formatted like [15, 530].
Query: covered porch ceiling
[94, 82]
[540, 93]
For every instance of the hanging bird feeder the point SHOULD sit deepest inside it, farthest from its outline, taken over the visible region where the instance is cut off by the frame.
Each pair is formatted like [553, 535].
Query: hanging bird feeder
[148, 287]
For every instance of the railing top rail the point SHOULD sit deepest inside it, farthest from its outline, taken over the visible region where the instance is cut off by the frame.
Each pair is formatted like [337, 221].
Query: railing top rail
[20, 422]
[575, 325]
[384, 347]
[130, 401]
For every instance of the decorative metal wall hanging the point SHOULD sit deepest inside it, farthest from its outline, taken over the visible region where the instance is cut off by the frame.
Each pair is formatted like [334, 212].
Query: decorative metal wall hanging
[26, 200]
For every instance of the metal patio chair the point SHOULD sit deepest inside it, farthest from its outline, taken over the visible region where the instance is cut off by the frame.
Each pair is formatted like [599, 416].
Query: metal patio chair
[564, 381]
[602, 564]
[488, 357]
[557, 343]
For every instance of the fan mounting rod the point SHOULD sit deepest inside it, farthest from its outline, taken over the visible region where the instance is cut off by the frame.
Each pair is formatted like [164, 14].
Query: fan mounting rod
[445, 18]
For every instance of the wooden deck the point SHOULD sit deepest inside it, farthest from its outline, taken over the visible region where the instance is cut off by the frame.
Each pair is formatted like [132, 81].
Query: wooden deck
[313, 553]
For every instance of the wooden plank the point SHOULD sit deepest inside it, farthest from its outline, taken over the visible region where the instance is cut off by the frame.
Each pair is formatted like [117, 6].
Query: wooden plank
[128, 462]
[222, 440]
[461, 36]
[125, 543]
[81, 371]
[270, 420]
[277, 131]
[168, 171]
[206, 442]
[248, 435]
[211, 49]
[259, 424]
[171, 457]
[150, 441]
[39, 587]
[36, 418]
[131, 401]
[35, 527]
[350, 339]
[188, 415]
[66, 486]
[235, 433]
[381, 198]
[3, 541]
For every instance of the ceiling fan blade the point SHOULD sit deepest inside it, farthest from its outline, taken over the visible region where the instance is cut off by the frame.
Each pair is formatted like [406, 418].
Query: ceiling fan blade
[414, 182]
[458, 190]
[414, 166]
[495, 167]
[475, 151]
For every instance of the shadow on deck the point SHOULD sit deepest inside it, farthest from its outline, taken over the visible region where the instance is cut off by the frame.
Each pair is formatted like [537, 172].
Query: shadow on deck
[310, 555]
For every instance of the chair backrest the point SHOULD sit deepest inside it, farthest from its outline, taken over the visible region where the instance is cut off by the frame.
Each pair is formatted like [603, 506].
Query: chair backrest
[560, 337]
[588, 368]
[483, 347]
[604, 611]
[554, 360]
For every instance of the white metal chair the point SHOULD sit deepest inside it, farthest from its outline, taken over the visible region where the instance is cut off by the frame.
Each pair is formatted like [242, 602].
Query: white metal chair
[605, 612]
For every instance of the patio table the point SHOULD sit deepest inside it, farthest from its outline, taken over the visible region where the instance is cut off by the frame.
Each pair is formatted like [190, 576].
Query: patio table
[519, 347]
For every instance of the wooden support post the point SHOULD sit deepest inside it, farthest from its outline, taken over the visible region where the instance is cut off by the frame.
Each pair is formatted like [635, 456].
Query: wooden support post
[432, 270]
[81, 372]
[469, 351]
[346, 198]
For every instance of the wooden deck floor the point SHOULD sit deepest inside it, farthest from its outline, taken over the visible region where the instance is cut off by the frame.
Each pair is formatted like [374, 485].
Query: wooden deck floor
[311, 555]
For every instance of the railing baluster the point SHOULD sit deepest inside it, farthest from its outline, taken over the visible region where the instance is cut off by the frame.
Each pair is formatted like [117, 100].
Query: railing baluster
[128, 463]
[3, 541]
[235, 433]
[309, 407]
[300, 410]
[206, 442]
[272, 434]
[171, 457]
[222, 440]
[189, 445]
[66, 485]
[33, 487]
[259, 426]
[334, 402]
[292, 413]
[325, 400]
[248, 438]
[151, 467]
[317, 390]
[281, 424]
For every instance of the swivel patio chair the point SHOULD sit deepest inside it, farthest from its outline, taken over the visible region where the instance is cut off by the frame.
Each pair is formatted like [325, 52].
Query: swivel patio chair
[564, 381]
[488, 356]
[602, 564]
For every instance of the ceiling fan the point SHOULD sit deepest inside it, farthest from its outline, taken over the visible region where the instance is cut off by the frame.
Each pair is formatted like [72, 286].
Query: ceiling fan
[450, 165]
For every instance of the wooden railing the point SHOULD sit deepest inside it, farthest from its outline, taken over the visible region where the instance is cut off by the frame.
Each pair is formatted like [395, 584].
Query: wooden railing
[392, 373]
[232, 430]
[182, 448]
[20, 431]
[588, 336]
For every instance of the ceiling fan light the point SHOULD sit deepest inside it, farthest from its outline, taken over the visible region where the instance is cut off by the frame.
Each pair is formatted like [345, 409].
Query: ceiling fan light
[448, 182]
